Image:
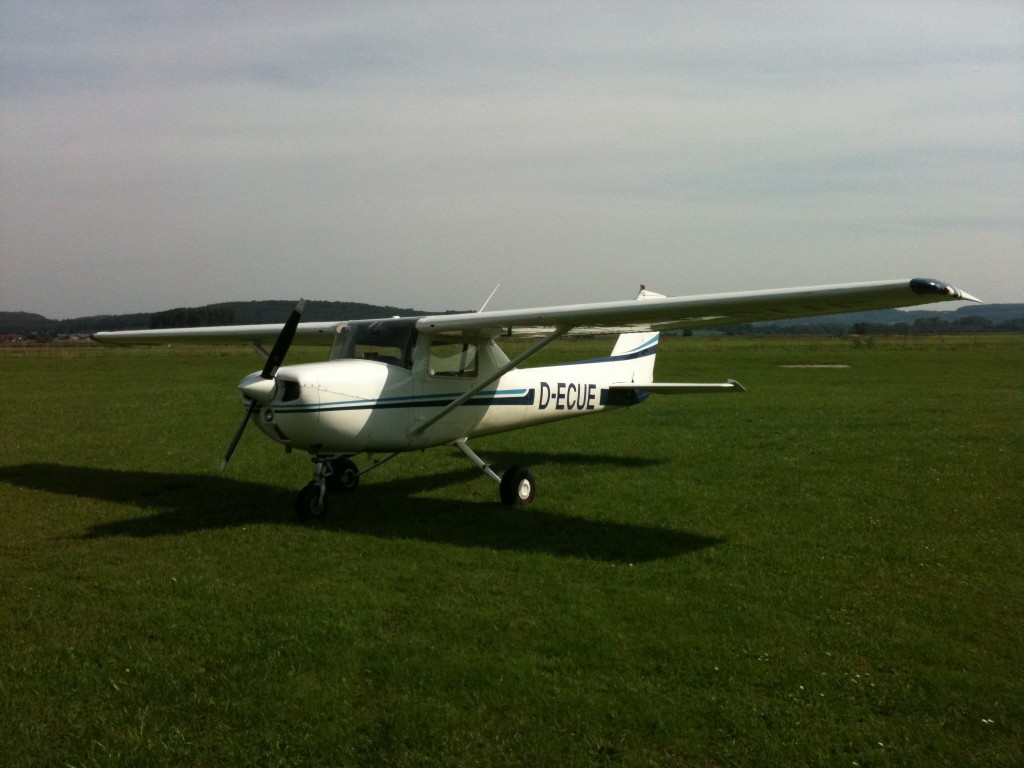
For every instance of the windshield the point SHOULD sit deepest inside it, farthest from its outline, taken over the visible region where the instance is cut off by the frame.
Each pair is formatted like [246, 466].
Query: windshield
[385, 341]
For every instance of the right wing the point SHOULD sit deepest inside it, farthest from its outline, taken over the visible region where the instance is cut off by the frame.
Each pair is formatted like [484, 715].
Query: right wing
[711, 310]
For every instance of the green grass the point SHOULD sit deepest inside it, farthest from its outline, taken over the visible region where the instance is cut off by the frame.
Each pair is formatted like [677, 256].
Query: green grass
[825, 570]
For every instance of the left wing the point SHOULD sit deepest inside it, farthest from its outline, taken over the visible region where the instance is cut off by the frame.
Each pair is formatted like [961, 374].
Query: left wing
[265, 333]
[675, 312]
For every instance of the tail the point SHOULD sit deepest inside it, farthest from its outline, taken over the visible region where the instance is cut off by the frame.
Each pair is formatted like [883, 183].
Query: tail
[634, 353]
[639, 348]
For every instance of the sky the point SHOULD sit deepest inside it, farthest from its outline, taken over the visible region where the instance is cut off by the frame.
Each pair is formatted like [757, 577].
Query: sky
[156, 155]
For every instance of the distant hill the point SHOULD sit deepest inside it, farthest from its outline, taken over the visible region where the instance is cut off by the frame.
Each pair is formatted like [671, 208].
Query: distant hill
[23, 322]
[226, 313]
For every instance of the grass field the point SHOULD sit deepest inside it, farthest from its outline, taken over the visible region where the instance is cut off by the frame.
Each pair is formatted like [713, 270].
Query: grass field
[825, 570]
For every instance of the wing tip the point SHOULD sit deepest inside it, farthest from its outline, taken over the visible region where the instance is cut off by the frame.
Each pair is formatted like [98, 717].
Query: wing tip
[928, 286]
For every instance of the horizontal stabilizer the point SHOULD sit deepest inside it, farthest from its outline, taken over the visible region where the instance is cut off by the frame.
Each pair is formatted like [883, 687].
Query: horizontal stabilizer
[681, 389]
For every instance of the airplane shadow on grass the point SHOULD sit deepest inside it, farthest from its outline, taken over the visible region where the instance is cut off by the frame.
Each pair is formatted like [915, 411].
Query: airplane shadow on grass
[182, 503]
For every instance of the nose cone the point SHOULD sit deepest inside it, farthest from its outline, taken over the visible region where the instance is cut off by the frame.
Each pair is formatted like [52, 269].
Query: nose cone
[255, 387]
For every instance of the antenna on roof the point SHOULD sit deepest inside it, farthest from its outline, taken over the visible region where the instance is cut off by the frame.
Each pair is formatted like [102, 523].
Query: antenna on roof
[490, 297]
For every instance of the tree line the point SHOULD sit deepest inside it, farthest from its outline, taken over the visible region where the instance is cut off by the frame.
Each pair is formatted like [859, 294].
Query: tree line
[193, 317]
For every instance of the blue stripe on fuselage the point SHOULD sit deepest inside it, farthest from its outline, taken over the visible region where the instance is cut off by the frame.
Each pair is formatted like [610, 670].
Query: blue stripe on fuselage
[495, 397]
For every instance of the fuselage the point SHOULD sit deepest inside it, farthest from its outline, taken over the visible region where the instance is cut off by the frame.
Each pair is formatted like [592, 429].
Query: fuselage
[369, 401]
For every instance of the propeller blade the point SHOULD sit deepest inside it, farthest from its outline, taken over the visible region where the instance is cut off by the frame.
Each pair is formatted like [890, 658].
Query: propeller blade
[284, 340]
[274, 360]
[238, 434]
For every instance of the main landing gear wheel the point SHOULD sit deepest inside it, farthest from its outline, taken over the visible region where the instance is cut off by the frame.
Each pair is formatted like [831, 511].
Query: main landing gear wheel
[344, 476]
[517, 486]
[311, 503]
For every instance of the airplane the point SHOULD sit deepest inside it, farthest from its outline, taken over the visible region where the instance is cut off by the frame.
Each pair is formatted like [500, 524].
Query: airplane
[399, 384]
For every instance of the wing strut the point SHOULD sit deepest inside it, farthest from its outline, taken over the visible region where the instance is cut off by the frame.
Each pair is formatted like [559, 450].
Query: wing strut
[479, 387]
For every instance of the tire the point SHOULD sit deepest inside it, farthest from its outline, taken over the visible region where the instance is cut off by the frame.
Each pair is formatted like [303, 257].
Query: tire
[517, 486]
[308, 505]
[344, 476]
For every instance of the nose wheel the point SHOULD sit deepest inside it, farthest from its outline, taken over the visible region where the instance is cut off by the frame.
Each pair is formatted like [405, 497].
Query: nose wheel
[311, 503]
[330, 476]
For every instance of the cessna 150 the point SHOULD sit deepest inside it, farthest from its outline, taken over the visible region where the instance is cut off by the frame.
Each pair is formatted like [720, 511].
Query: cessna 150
[407, 383]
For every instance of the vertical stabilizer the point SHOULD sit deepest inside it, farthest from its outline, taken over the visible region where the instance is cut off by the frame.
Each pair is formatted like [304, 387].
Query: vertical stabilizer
[639, 348]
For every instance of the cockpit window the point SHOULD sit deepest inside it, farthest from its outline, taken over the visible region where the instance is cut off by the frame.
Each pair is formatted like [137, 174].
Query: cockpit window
[383, 341]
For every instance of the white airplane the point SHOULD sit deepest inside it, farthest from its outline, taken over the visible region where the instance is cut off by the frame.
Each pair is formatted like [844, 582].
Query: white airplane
[407, 383]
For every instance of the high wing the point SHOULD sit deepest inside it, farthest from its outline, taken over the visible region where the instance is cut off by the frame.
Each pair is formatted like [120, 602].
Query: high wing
[711, 310]
[651, 314]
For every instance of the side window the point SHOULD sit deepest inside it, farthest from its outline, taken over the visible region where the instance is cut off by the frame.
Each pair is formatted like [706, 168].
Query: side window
[453, 358]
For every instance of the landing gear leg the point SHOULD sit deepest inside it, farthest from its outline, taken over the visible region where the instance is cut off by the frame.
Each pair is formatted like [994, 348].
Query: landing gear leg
[311, 503]
[516, 486]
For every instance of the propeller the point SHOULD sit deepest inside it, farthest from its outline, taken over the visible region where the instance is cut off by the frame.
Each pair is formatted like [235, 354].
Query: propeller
[274, 360]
